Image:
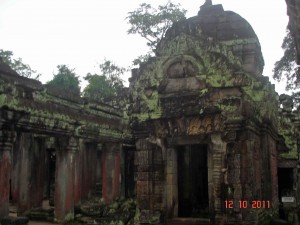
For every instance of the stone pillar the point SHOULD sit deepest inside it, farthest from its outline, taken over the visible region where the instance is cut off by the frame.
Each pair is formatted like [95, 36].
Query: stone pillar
[16, 167]
[38, 171]
[171, 183]
[31, 172]
[64, 180]
[78, 172]
[143, 161]
[247, 177]
[111, 174]
[24, 147]
[6, 140]
[233, 190]
[216, 169]
[150, 181]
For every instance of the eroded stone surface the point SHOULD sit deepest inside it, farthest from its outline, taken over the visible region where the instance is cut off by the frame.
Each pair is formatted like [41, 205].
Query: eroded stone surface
[204, 91]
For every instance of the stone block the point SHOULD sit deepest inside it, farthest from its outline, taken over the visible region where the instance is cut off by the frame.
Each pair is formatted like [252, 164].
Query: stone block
[143, 176]
[249, 59]
[143, 187]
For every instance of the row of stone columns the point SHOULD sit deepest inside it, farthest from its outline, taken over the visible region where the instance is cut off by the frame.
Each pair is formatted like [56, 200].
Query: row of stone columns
[75, 173]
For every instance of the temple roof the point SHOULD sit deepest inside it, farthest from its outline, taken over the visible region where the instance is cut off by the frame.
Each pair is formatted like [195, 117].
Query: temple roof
[216, 23]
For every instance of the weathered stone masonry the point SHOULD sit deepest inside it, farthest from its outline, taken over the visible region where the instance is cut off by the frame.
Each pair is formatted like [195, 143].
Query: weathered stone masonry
[204, 95]
[199, 126]
[36, 119]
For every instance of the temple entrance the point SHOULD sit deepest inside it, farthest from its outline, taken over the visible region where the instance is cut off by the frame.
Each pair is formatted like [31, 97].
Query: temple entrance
[129, 171]
[285, 182]
[192, 181]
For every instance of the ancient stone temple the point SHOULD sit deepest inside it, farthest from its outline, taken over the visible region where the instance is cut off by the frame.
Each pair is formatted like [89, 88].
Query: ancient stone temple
[196, 139]
[53, 145]
[205, 123]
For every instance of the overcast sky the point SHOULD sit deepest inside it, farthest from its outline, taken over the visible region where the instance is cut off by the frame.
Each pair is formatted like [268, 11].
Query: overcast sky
[80, 33]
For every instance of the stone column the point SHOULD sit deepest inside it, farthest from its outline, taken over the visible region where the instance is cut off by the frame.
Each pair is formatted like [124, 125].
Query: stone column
[233, 190]
[38, 171]
[171, 183]
[78, 172]
[150, 181]
[24, 147]
[247, 177]
[216, 169]
[31, 172]
[143, 161]
[111, 174]
[6, 140]
[16, 167]
[64, 180]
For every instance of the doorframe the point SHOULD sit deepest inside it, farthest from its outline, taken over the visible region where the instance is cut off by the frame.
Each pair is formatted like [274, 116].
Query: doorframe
[171, 171]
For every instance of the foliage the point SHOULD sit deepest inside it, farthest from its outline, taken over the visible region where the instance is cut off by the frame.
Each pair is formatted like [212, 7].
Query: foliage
[286, 66]
[66, 79]
[152, 23]
[105, 85]
[141, 59]
[18, 65]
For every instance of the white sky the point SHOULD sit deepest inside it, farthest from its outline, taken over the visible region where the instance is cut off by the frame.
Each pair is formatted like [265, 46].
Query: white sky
[80, 33]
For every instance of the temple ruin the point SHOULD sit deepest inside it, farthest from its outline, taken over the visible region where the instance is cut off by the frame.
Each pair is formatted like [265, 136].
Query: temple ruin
[199, 137]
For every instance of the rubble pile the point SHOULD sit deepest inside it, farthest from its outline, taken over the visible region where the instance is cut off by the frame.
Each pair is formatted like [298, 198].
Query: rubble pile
[119, 212]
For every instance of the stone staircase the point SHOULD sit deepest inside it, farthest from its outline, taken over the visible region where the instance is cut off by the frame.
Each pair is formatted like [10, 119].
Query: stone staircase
[40, 214]
[189, 221]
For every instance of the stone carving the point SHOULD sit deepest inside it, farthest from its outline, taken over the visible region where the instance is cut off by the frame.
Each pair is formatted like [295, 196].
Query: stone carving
[189, 126]
[181, 69]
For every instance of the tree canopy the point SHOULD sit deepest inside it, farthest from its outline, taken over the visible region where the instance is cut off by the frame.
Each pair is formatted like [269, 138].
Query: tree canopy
[18, 65]
[106, 84]
[152, 23]
[287, 67]
[66, 79]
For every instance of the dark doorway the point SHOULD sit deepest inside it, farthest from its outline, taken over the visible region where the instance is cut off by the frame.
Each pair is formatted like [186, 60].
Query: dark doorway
[192, 181]
[129, 171]
[285, 182]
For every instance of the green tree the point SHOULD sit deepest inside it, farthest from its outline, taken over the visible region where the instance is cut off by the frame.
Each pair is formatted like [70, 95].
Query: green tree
[152, 23]
[287, 67]
[66, 79]
[106, 84]
[18, 65]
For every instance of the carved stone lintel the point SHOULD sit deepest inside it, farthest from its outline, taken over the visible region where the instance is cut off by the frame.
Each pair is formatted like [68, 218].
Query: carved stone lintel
[229, 136]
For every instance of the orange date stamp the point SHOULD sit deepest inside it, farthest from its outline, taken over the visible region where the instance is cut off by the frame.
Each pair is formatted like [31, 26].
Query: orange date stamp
[254, 204]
